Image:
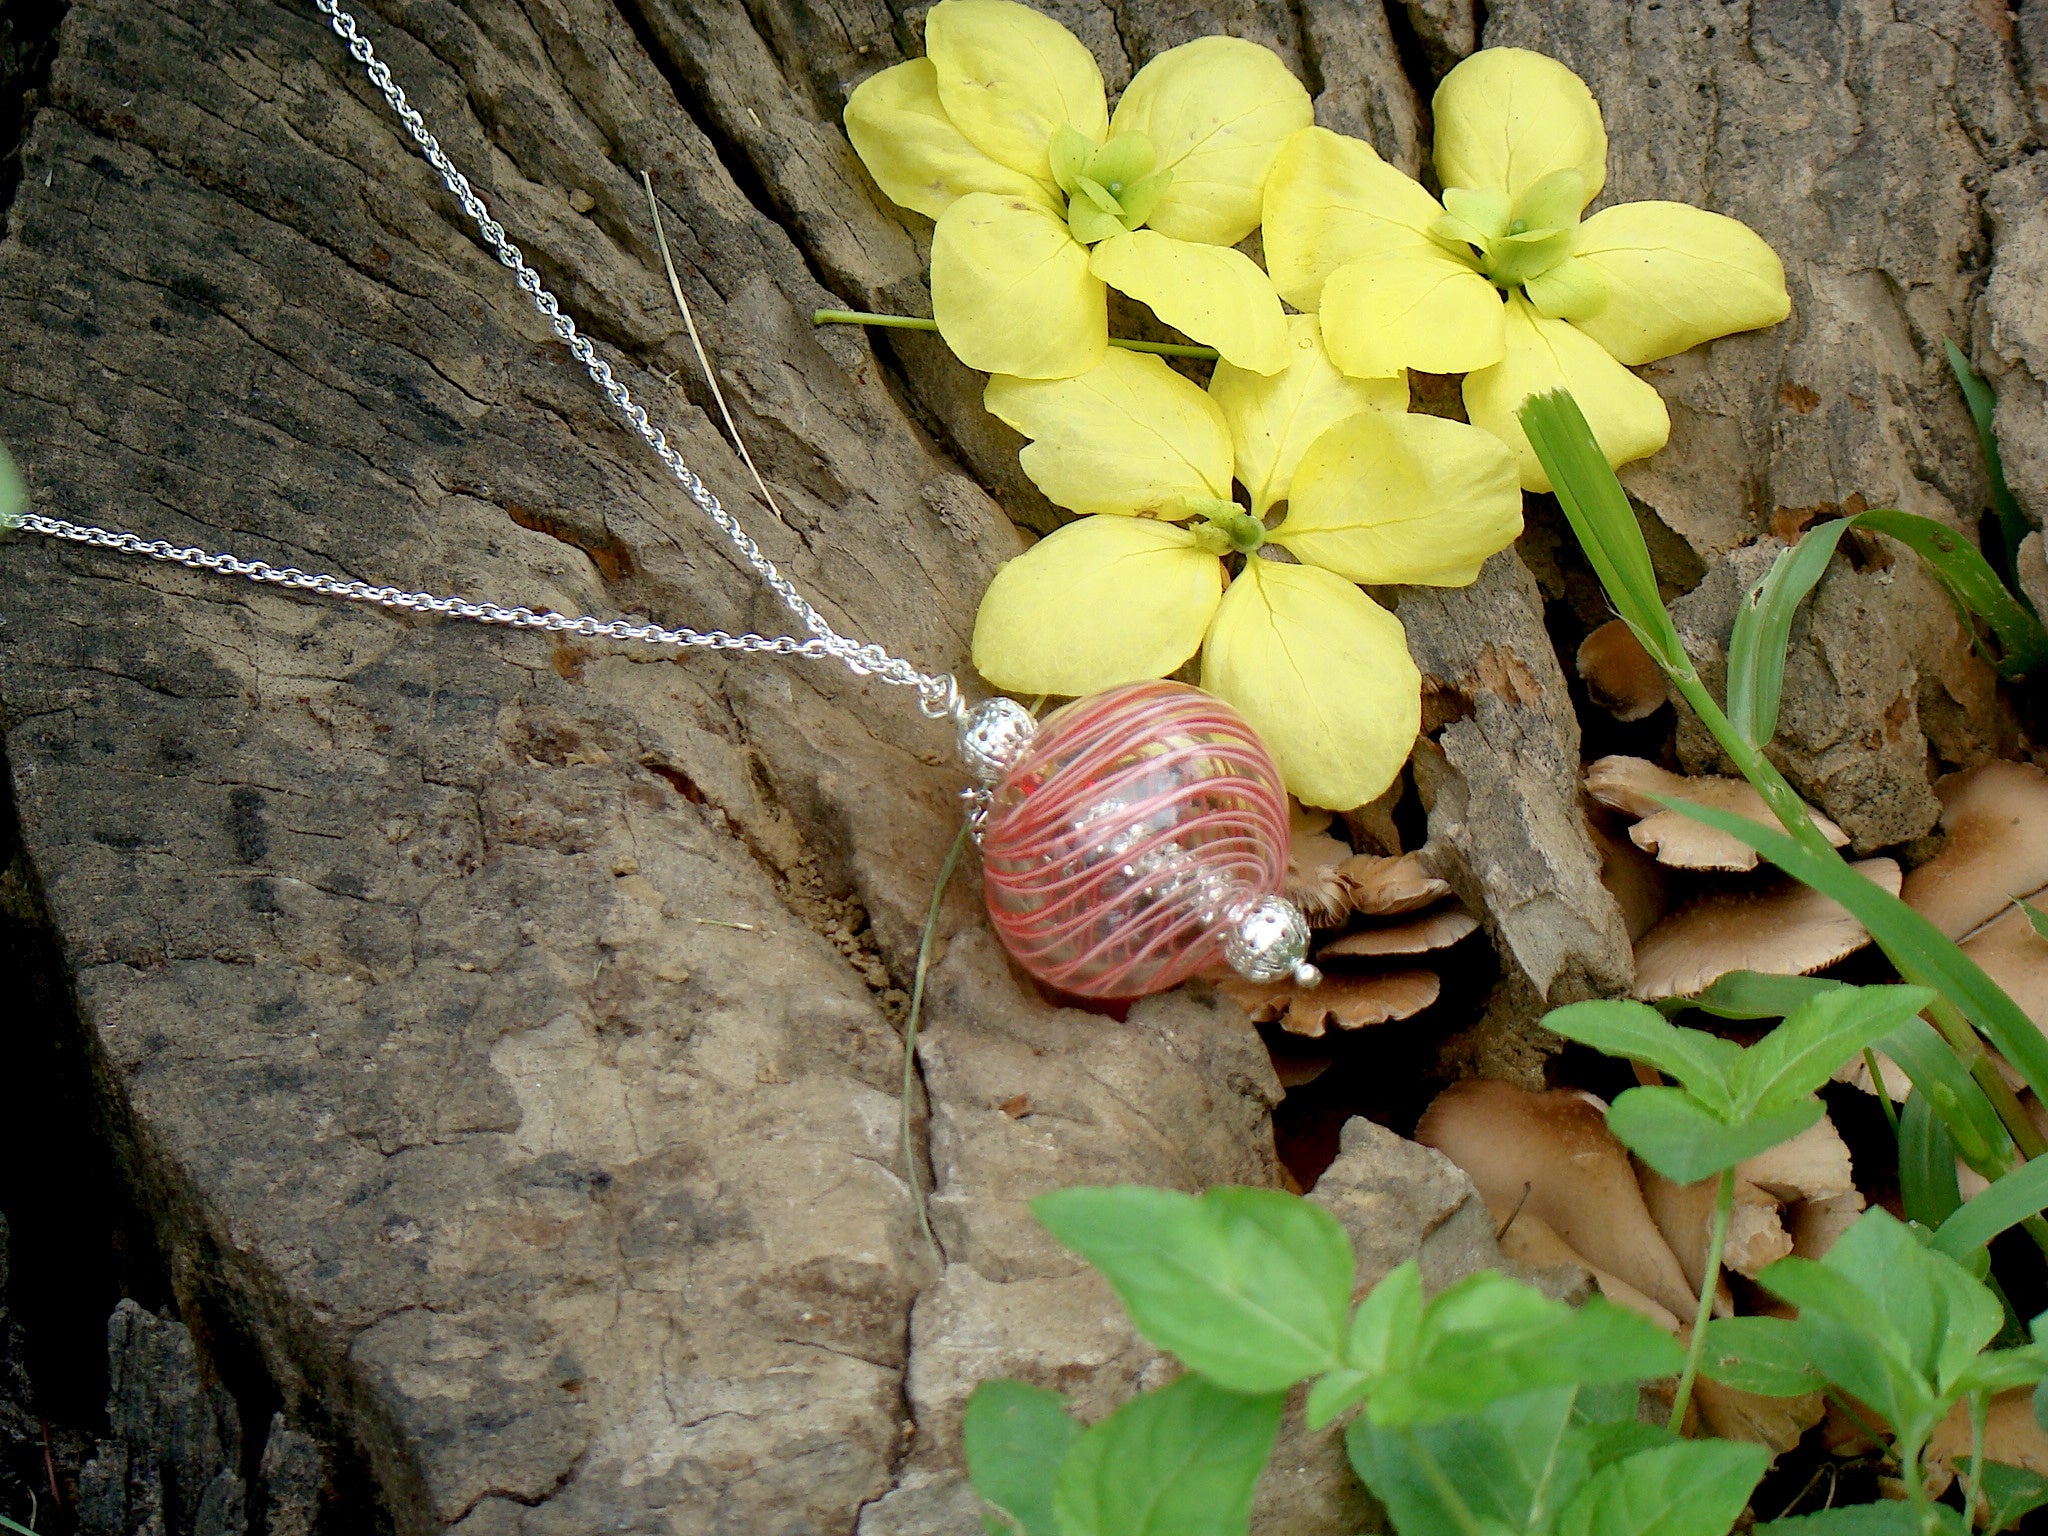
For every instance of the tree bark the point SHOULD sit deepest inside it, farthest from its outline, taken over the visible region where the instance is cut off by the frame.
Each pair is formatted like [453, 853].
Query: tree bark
[504, 1030]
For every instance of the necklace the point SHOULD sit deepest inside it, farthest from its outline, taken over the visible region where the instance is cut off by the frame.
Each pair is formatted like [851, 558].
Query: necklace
[1132, 839]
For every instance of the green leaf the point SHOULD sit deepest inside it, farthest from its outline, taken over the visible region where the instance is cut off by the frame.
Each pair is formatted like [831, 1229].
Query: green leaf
[1755, 995]
[1980, 1137]
[2001, 1370]
[1914, 944]
[1598, 509]
[1681, 1140]
[1796, 1058]
[1704, 1063]
[1608, 1443]
[1607, 1402]
[1489, 1337]
[1693, 1488]
[2036, 918]
[1015, 1436]
[2010, 1492]
[1764, 1355]
[1884, 1518]
[1250, 1287]
[1386, 1331]
[2012, 522]
[1335, 1394]
[1181, 1461]
[1763, 631]
[2010, 1200]
[2022, 643]
[1927, 1164]
[1512, 1464]
[13, 492]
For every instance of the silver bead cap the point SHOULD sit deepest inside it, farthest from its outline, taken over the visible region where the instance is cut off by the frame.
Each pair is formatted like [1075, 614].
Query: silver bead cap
[1268, 941]
[994, 736]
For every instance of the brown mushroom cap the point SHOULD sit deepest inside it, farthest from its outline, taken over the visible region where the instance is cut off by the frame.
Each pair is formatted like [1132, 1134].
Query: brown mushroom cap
[2010, 1436]
[1550, 1155]
[1386, 886]
[1775, 1422]
[1620, 676]
[1417, 936]
[1684, 1213]
[1787, 930]
[1627, 783]
[1314, 858]
[1347, 1001]
[1814, 1165]
[1817, 1223]
[2015, 957]
[1996, 817]
[1530, 1240]
[1632, 878]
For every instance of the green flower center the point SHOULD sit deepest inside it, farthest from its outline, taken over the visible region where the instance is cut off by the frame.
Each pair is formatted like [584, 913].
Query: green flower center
[1513, 245]
[1111, 188]
[1228, 529]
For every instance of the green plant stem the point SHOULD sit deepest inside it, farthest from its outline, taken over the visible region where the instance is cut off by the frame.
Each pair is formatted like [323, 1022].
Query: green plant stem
[924, 960]
[21, 1530]
[914, 323]
[1884, 1094]
[1973, 1487]
[1724, 1208]
[1445, 1488]
[1916, 1483]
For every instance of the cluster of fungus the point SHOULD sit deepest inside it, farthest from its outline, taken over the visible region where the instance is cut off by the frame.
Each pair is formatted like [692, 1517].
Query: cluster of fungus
[1379, 920]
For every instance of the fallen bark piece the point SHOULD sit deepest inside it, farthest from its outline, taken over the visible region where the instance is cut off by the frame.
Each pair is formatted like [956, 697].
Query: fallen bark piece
[1550, 1155]
[1996, 818]
[1627, 784]
[1618, 673]
[1784, 930]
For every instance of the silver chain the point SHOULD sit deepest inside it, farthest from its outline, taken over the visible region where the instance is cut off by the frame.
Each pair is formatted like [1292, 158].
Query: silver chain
[938, 693]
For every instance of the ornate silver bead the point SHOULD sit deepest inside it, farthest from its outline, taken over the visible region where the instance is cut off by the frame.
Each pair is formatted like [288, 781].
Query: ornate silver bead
[994, 736]
[1269, 941]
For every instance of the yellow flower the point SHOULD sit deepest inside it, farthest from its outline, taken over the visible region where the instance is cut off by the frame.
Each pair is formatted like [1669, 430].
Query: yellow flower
[1501, 281]
[1002, 134]
[1372, 494]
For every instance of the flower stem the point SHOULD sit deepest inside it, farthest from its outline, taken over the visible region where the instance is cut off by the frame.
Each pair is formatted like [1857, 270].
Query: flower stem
[913, 323]
[1710, 1282]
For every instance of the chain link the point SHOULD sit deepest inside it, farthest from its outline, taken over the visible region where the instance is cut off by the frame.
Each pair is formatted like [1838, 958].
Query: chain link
[938, 693]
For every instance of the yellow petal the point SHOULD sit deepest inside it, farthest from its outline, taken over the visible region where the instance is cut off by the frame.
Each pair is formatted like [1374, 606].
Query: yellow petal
[1323, 674]
[1273, 418]
[1677, 276]
[1104, 601]
[1210, 292]
[1009, 75]
[1011, 289]
[1129, 435]
[1414, 308]
[916, 155]
[1217, 110]
[1506, 118]
[1331, 201]
[1627, 415]
[1411, 499]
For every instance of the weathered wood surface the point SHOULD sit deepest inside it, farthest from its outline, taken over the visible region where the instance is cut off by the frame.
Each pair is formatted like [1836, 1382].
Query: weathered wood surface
[504, 1029]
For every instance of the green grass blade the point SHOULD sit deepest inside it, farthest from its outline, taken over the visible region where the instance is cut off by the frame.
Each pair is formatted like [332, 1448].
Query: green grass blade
[1952, 1094]
[1763, 632]
[2022, 642]
[1920, 950]
[2012, 523]
[2008, 1202]
[1600, 514]
[1927, 1164]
